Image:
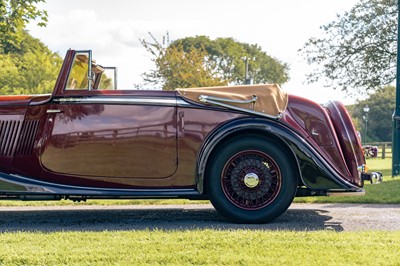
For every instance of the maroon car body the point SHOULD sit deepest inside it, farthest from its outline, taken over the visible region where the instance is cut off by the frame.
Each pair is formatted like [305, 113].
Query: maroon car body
[84, 142]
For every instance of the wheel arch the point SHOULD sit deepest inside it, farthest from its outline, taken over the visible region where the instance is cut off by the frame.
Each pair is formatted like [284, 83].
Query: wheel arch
[260, 128]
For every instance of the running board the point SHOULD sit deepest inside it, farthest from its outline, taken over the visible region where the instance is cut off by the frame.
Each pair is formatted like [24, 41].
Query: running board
[12, 186]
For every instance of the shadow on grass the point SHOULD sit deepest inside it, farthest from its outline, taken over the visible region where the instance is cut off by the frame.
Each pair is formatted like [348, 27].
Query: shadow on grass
[153, 218]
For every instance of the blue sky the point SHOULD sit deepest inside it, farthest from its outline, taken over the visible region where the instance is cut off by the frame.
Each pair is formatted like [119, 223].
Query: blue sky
[112, 29]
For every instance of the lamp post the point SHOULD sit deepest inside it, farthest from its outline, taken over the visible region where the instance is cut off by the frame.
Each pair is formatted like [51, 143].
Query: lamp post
[366, 110]
[396, 114]
[247, 79]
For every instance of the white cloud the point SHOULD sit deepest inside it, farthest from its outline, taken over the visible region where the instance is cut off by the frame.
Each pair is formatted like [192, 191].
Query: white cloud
[113, 29]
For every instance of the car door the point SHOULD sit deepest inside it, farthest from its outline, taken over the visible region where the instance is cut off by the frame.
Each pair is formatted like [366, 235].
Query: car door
[109, 134]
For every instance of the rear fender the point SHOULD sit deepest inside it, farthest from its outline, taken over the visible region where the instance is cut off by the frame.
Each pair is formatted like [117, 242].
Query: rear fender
[313, 170]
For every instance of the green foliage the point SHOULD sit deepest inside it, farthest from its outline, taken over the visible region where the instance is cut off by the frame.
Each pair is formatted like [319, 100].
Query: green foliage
[228, 57]
[176, 68]
[200, 62]
[33, 70]
[381, 105]
[27, 66]
[186, 69]
[358, 50]
[106, 83]
[200, 247]
[14, 15]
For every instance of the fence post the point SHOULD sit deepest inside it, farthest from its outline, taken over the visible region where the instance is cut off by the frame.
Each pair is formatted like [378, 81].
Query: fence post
[384, 151]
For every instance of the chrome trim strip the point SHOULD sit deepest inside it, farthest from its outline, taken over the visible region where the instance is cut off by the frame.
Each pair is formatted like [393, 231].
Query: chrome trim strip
[182, 103]
[208, 99]
[121, 100]
[205, 98]
[52, 111]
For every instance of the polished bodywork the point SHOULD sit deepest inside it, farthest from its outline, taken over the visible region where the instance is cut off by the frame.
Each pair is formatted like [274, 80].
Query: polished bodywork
[92, 143]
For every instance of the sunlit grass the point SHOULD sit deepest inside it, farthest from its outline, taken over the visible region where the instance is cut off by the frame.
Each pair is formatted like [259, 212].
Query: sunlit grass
[200, 247]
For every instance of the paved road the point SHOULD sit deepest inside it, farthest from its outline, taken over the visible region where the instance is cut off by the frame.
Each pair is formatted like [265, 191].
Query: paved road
[299, 217]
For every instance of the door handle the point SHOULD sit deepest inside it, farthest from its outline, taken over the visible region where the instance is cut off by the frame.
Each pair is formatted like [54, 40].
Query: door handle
[181, 130]
[53, 111]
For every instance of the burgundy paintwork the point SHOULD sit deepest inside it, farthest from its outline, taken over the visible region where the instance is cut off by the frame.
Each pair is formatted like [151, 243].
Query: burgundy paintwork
[311, 120]
[104, 144]
[81, 142]
[70, 143]
[349, 140]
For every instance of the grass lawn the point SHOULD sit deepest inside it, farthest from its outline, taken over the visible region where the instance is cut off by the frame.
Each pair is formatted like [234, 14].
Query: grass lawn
[200, 247]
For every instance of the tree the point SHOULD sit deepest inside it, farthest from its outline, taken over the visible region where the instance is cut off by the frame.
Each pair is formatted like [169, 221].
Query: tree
[381, 105]
[199, 61]
[176, 68]
[358, 49]
[14, 15]
[33, 70]
[27, 66]
[228, 57]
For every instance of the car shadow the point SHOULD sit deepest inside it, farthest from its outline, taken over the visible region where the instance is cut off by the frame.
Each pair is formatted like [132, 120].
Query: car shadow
[153, 218]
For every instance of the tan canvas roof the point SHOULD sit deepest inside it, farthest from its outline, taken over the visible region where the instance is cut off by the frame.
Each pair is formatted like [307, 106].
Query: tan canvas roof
[271, 100]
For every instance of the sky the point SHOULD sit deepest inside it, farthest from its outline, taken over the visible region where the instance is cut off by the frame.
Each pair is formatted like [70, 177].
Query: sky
[112, 29]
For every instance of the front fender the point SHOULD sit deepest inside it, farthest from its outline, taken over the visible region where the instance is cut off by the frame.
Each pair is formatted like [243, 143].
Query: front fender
[314, 170]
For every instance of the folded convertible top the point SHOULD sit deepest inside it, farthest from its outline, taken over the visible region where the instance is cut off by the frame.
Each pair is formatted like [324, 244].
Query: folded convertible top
[266, 99]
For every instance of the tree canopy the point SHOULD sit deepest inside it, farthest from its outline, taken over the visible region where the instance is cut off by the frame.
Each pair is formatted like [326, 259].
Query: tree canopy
[381, 104]
[229, 56]
[33, 70]
[14, 15]
[27, 66]
[200, 61]
[176, 68]
[357, 51]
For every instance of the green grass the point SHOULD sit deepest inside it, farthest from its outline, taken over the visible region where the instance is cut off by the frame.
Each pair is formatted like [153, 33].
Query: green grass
[200, 247]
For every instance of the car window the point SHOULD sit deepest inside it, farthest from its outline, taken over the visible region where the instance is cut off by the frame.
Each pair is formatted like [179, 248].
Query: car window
[107, 79]
[78, 76]
[85, 76]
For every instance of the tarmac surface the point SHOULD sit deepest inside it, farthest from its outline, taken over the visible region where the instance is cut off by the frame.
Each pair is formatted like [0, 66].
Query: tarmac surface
[299, 217]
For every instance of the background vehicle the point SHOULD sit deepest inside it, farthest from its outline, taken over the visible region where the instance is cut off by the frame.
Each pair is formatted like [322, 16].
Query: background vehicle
[249, 149]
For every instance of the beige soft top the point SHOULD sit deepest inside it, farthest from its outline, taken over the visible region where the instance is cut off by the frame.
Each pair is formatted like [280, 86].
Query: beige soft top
[266, 99]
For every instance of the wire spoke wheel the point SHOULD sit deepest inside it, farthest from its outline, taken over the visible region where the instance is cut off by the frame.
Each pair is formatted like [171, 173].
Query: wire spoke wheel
[251, 180]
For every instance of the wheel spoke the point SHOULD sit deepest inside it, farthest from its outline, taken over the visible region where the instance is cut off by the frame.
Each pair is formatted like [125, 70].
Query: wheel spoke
[251, 179]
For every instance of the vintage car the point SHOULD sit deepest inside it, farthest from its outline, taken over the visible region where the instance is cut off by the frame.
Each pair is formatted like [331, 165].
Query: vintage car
[248, 149]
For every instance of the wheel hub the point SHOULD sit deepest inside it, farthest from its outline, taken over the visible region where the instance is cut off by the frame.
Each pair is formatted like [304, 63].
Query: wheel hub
[251, 180]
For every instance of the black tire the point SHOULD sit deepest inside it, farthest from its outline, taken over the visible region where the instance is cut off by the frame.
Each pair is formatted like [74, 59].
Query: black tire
[251, 180]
